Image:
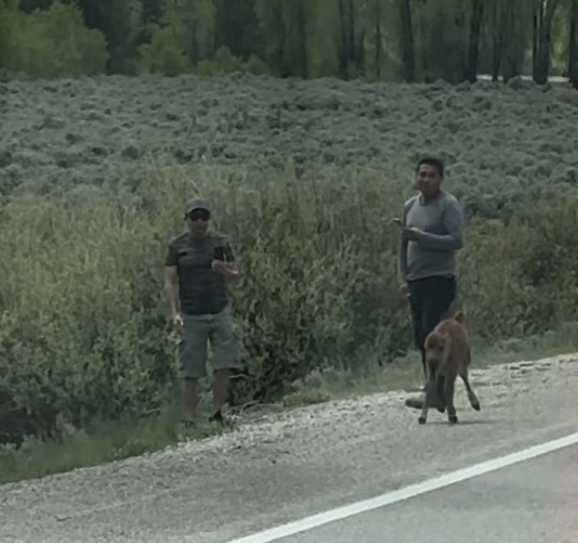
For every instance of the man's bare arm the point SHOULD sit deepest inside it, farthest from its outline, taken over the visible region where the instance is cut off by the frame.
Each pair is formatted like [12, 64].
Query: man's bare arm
[171, 288]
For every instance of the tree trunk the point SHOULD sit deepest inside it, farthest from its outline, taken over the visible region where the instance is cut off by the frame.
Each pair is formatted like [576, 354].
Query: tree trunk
[377, 57]
[497, 41]
[514, 32]
[344, 45]
[302, 52]
[573, 45]
[474, 40]
[355, 46]
[349, 49]
[425, 64]
[360, 52]
[542, 42]
[535, 34]
[407, 41]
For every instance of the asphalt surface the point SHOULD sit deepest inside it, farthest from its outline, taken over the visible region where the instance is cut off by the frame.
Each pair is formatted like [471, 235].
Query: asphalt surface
[535, 501]
[314, 459]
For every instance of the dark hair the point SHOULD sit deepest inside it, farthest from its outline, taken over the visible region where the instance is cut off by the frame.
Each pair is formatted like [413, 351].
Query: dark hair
[432, 161]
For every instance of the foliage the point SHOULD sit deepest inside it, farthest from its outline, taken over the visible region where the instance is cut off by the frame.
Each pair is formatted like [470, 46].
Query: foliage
[164, 54]
[64, 275]
[378, 40]
[84, 334]
[168, 54]
[50, 43]
[224, 63]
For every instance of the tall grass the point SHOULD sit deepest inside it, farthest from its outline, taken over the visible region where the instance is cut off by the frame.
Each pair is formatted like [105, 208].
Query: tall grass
[84, 334]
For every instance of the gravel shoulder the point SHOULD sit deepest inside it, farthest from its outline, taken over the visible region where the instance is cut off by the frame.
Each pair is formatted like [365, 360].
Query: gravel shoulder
[291, 464]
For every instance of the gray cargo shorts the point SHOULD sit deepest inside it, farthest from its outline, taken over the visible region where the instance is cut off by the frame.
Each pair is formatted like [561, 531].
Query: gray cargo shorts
[192, 346]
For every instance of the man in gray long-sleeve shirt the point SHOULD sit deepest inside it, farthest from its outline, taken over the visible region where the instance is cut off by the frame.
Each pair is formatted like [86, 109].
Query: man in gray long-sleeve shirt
[432, 231]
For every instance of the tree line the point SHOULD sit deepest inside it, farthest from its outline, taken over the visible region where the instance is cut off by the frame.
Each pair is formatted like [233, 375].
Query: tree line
[377, 40]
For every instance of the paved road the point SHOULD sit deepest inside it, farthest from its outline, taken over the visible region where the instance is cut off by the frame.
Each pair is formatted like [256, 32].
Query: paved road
[535, 501]
[317, 459]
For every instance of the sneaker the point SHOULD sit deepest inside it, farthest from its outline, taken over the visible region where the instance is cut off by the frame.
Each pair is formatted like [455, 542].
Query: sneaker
[417, 403]
[220, 419]
[188, 424]
[217, 417]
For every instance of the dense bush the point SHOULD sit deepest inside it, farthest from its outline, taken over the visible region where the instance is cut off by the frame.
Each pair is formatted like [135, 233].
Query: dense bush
[84, 333]
[224, 63]
[49, 43]
[173, 46]
[165, 53]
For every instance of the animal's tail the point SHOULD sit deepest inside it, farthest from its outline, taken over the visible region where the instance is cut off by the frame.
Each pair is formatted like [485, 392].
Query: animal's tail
[460, 316]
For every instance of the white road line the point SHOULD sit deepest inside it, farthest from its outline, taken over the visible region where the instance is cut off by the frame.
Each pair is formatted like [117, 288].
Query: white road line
[339, 513]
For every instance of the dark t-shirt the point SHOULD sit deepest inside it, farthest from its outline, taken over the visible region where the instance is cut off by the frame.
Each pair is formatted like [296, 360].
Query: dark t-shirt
[202, 291]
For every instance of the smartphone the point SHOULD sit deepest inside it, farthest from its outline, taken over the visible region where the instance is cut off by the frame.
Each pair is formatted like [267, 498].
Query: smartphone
[219, 253]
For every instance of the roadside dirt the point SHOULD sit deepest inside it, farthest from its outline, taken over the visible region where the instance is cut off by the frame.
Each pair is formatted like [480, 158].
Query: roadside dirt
[291, 464]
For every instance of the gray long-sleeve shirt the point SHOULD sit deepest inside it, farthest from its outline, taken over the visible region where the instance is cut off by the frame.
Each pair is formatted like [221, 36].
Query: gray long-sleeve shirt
[443, 225]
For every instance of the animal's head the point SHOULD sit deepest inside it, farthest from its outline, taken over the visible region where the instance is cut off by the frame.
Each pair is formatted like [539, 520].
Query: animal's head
[437, 345]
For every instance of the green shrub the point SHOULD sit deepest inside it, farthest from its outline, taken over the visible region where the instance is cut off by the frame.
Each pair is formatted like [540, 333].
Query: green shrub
[224, 63]
[519, 274]
[164, 55]
[74, 336]
[185, 35]
[84, 333]
[52, 43]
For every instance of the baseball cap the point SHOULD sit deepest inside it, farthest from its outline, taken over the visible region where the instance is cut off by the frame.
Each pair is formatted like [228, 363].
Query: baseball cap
[197, 203]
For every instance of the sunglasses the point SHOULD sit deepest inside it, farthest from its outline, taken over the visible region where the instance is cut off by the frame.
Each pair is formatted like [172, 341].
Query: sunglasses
[199, 215]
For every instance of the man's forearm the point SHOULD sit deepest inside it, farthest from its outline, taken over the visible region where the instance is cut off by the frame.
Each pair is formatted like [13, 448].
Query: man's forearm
[402, 262]
[441, 242]
[453, 240]
[171, 294]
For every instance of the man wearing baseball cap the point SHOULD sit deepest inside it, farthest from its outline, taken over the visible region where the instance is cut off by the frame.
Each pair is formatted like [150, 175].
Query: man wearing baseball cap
[197, 266]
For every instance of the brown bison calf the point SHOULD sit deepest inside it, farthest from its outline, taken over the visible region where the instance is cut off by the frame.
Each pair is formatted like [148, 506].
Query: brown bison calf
[447, 355]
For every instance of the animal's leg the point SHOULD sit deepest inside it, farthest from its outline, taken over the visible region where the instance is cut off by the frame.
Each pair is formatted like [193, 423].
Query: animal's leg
[429, 391]
[440, 392]
[474, 402]
[449, 395]
[464, 371]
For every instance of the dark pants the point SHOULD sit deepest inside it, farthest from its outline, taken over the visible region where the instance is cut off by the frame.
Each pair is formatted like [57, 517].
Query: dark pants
[430, 299]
